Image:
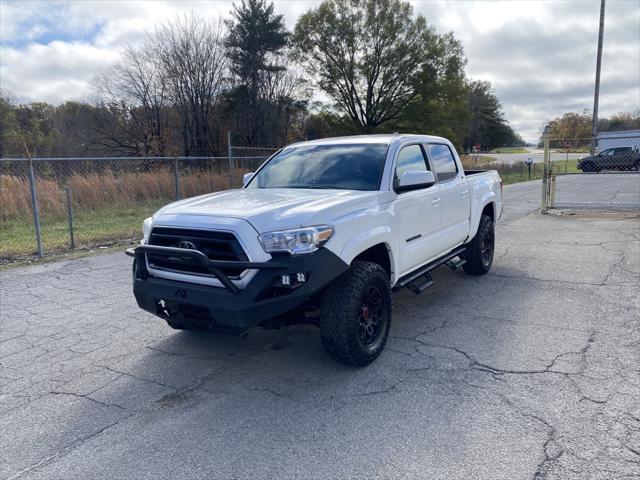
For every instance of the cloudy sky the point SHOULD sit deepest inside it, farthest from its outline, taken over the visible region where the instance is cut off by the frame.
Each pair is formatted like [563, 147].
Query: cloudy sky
[540, 54]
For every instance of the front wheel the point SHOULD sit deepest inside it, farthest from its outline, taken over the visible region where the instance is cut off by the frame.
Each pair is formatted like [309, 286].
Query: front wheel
[479, 251]
[590, 167]
[356, 314]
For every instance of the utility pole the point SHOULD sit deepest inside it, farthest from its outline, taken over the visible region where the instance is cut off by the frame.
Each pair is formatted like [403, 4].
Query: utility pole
[596, 92]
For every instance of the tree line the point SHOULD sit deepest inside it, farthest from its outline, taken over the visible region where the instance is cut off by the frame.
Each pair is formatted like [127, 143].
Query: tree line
[348, 66]
[577, 127]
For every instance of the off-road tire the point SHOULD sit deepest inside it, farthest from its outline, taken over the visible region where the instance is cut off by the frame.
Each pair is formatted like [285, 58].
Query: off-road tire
[341, 309]
[478, 262]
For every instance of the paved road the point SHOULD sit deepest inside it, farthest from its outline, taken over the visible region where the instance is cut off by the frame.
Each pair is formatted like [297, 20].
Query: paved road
[528, 372]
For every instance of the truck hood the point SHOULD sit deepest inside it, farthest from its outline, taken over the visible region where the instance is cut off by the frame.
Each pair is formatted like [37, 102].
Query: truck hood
[270, 209]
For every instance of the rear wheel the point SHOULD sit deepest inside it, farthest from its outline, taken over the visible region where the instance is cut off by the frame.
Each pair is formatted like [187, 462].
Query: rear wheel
[356, 314]
[479, 251]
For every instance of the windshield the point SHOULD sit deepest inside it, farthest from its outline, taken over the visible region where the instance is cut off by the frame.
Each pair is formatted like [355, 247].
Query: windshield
[344, 166]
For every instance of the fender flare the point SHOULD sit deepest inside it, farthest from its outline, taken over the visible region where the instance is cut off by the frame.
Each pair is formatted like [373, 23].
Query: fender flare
[486, 199]
[367, 239]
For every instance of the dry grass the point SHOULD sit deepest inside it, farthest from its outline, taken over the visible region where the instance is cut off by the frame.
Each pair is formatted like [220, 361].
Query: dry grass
[95, 191]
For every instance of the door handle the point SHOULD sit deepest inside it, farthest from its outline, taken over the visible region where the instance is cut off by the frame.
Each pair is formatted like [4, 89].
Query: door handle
[435, 201]
[464, 192]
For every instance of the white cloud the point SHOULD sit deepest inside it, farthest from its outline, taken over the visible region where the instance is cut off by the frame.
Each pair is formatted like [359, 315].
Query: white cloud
[55, 72]
[540, 56]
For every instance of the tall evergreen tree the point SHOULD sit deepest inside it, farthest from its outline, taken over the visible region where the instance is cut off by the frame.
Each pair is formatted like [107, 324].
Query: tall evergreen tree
[255, 43]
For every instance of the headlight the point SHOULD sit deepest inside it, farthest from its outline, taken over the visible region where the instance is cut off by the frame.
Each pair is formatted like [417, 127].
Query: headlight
[296, 241]
[146, 228]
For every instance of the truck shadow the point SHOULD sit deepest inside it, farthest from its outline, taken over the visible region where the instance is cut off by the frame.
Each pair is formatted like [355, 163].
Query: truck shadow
[429, 332]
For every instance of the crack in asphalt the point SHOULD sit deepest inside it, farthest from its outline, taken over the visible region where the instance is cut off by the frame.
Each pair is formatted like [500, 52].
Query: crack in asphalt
[550, 449]
[63, 451]
[87, 397]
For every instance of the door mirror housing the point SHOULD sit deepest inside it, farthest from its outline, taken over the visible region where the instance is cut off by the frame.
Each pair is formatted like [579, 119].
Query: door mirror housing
[414, 180]
[246, 177]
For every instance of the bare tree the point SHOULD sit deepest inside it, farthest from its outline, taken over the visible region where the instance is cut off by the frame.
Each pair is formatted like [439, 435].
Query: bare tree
[191, 58]
[136, 88]
[284, 95]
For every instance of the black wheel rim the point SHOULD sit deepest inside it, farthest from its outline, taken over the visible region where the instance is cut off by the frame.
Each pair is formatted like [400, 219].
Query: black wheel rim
[486, 247]
[370, 316]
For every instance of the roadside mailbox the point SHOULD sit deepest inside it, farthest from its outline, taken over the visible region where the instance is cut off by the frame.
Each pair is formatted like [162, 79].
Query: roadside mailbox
[528, 162]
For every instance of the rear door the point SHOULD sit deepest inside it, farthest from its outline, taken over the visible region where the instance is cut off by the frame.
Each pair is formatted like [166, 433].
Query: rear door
[621, 159]
[418, 213]
[454, 193]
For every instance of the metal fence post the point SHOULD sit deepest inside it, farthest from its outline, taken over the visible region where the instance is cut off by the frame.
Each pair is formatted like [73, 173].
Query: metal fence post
[67, 192]
[176, 176]
[36, 211]
[543, 205]
[230, 155]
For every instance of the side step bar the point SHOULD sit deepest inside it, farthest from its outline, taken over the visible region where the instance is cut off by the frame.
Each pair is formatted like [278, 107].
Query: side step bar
[456, 264]
[417, 285]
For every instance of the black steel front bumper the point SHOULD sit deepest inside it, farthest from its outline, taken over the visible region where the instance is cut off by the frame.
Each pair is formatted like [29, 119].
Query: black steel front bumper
[230, 308]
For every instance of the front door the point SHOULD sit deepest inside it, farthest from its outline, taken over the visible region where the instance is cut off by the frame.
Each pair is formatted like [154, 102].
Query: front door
[418, 214]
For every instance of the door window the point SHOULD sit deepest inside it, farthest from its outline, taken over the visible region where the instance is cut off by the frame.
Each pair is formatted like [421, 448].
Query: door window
[411, 157]
[443, 162]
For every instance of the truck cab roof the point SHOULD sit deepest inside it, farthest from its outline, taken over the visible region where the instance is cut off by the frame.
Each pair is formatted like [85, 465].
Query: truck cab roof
[385, 138]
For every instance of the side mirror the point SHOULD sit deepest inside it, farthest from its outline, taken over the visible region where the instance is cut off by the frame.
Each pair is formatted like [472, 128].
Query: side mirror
[414, 180]
[246, 178]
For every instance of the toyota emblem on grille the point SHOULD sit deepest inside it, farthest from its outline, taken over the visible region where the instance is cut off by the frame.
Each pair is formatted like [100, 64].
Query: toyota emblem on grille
[187, 245]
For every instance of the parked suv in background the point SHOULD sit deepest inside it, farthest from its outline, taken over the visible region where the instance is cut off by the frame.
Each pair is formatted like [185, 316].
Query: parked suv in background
[322, 233]
[618, 158]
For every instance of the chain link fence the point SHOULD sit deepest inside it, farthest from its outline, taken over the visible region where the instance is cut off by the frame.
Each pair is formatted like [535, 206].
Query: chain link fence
[51, 205]
[608, 179]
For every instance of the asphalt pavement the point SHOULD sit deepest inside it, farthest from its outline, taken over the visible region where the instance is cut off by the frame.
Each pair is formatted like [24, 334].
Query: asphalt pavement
[528, 372]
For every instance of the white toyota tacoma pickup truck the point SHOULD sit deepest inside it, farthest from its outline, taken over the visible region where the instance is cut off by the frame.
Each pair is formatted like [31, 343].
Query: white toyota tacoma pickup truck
[323, 232]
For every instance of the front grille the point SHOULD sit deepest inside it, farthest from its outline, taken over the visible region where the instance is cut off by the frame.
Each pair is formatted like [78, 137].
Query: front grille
[215, 245]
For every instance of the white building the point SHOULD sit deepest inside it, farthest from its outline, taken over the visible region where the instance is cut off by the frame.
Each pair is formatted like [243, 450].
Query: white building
[621, 138]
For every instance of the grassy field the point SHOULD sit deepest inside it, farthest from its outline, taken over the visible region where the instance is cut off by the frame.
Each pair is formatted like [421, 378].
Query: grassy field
[108, 207]
[91, 228]
[509, 150]
[518, 172]
[565, 166]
